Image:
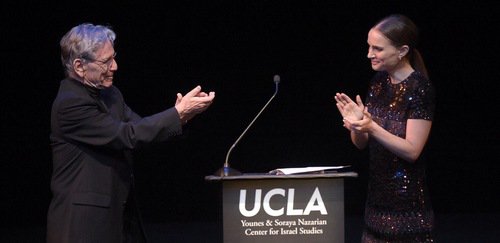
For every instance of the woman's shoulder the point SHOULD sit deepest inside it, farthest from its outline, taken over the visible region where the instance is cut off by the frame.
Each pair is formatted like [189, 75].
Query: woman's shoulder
[418, 77]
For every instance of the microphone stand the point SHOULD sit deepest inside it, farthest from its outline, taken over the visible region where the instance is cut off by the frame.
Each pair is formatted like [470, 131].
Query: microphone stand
[228, 171]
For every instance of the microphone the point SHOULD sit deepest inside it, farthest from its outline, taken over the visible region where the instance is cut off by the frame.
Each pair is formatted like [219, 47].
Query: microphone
[228, 171]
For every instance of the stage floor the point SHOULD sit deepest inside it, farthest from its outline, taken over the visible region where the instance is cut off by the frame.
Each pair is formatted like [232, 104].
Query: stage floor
[455, 228]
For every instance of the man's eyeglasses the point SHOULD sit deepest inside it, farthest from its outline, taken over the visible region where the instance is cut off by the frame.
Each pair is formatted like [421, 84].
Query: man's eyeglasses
[107, 63]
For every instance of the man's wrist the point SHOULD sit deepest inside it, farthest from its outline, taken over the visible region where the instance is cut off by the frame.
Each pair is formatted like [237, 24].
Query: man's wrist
[182, 115]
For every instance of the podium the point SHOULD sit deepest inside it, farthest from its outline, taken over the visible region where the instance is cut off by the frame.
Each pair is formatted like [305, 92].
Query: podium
[283, 208]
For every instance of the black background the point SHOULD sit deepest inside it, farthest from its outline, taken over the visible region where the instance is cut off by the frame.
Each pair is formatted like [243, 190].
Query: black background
[234, 48]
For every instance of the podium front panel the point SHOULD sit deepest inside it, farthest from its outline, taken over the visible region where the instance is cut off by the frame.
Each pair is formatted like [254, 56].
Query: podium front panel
[283, 210]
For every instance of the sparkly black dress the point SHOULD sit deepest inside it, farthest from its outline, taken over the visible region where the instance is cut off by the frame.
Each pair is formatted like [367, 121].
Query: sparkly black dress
[398, 208]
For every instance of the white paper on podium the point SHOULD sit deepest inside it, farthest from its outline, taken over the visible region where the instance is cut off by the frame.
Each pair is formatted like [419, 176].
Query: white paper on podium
[303, 170]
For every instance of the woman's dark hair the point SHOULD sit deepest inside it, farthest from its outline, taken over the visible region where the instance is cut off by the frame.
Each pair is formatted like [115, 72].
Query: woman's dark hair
[400, 30]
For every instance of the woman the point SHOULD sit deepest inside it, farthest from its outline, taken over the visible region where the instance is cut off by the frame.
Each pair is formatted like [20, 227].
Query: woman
[395, 123]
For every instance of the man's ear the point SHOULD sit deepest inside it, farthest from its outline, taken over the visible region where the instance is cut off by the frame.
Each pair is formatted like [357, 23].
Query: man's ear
[78, 67]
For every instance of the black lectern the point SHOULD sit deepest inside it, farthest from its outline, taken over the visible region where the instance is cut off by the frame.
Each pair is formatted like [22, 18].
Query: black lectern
[283, 208]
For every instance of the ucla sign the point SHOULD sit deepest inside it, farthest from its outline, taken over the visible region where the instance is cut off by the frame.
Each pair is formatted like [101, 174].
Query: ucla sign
[315, 203]
[283, 210]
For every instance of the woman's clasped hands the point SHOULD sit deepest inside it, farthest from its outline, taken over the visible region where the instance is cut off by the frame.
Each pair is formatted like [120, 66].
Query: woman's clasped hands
[355, 115]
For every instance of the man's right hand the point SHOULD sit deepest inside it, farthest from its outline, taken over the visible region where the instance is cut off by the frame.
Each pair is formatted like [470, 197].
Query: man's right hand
[193, 103]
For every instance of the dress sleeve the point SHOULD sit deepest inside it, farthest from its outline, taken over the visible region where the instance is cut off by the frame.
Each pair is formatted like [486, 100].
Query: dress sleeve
[422, 101]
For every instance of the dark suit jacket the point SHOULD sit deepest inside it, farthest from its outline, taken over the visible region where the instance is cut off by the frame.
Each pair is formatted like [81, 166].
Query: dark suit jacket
[92, 133]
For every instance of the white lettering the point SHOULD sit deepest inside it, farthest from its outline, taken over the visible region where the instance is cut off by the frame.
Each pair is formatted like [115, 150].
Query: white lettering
[311, 231]
[312, 222]
[315, 203]
[277, 222]
[289, 205]
[256, 206]
[267, 204]
[316, 197]
[289, 231]
[255, 232]
[244, 223]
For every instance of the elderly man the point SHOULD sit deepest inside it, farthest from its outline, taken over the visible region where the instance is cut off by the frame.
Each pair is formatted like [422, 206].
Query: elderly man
[92, 134]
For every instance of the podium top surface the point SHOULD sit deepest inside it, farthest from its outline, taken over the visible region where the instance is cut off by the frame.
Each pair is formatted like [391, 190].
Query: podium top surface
[259, 176]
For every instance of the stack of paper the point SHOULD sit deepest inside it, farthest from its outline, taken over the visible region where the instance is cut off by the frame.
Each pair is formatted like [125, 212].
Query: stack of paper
[302, 170]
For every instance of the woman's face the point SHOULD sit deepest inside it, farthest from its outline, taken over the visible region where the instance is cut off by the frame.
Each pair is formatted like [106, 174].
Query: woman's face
[383, 55]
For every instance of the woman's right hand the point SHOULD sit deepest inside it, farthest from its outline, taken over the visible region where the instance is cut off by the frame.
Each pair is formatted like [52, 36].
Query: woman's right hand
[350, 110]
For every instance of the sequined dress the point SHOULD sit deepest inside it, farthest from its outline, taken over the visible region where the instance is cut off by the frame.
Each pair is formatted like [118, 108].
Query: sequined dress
[398, 208]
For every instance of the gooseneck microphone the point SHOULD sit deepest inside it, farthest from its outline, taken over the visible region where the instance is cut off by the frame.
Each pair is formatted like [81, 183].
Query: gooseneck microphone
[228, 171]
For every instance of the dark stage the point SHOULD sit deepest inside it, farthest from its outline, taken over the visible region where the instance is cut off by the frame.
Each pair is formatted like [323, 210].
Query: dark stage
[234, 48]
[470, 228]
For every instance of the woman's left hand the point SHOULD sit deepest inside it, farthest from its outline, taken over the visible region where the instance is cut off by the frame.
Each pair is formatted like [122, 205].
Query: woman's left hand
[360, 126]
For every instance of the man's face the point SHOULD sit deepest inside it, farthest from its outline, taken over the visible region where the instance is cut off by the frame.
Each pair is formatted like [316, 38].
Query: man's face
[100, 71]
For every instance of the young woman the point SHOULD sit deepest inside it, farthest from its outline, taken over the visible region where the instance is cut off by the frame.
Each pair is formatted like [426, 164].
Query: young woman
[395, 123]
